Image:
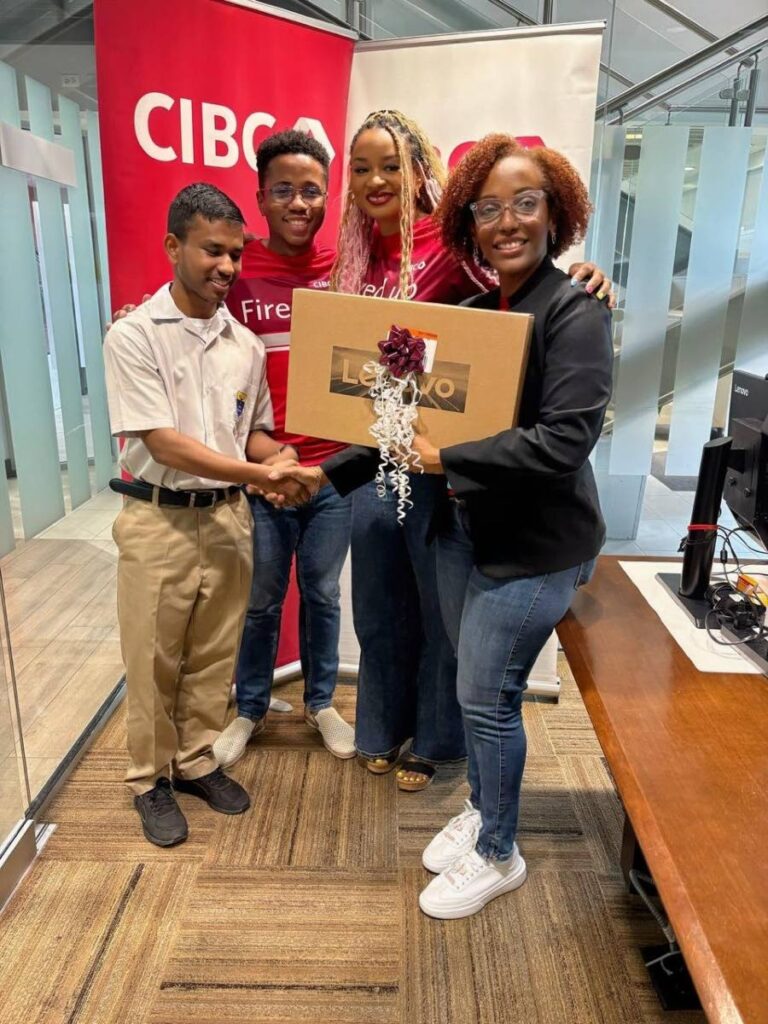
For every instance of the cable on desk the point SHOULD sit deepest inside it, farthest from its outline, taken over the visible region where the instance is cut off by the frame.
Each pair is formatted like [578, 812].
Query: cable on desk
[741, 614]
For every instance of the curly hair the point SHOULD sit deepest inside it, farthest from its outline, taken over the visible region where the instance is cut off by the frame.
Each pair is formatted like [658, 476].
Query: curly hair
[287, 143]
[420, 191]
[567, 196]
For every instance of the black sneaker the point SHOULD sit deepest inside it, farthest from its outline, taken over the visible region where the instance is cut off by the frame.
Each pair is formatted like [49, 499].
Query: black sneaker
[217, 789]
[161, 817]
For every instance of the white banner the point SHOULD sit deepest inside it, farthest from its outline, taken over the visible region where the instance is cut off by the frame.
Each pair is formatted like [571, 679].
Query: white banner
[539, 84]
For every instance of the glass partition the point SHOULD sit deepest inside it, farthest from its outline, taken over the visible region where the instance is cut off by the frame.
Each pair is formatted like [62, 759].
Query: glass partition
[14, 785]
[57, 557]
[685, 207]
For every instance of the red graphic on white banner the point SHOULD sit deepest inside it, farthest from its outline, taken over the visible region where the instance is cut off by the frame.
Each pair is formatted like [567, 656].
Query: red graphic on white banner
[529, 141]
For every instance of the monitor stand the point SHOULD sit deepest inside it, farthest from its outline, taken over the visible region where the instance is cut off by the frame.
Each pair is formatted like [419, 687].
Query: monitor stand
[696, 608]
[699, 547]
[751, 647]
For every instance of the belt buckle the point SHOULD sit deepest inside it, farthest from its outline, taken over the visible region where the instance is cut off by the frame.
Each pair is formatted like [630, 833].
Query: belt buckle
[193, 499]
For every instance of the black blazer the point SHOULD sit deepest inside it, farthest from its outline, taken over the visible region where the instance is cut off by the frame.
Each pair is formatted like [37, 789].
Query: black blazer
[529, 493]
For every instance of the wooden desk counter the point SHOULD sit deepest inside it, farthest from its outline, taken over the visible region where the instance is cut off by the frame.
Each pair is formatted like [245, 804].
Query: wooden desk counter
[689, 753]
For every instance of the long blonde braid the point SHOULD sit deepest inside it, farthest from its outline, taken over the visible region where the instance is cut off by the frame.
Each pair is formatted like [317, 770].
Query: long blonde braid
[407, 203]
[356, 230]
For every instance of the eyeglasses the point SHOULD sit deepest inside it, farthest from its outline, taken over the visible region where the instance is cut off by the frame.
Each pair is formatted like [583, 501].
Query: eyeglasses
[285, 194]
[524, 206]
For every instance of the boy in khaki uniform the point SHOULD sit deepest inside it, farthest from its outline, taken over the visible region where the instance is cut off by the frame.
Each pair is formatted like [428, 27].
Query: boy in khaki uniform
[187, 392]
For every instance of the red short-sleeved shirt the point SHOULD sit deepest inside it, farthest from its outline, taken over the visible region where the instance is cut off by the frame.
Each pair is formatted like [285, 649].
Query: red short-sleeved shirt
[437, 275]
[262, 299]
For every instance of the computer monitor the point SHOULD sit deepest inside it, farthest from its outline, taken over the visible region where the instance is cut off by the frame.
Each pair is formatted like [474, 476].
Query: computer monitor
[746, 483]
[734, 468]
[746, 494]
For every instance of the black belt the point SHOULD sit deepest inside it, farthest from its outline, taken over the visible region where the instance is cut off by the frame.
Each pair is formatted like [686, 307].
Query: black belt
[165, 496]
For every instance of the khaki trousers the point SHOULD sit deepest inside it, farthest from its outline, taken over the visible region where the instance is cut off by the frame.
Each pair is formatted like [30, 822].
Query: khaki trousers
[183, 580]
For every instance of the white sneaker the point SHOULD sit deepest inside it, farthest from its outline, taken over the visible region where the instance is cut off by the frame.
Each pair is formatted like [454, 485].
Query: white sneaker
[459, 836]
[469, 883]
[231, 743]
[338, 735]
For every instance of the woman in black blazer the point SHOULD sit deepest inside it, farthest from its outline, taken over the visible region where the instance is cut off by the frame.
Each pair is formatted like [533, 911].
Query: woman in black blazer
[525, 526]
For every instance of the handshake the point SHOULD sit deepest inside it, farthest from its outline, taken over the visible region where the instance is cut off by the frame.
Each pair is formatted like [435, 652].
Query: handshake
[290, 484]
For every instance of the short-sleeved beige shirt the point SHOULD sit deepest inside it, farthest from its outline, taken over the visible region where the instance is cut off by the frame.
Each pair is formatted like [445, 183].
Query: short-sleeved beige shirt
[162, 370]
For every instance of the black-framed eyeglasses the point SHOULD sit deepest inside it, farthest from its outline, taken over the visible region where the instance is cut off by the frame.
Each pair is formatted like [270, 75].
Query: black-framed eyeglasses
[285, 194]
[525, 205]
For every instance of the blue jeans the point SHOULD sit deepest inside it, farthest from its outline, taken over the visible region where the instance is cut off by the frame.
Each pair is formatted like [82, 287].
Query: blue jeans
[499, 626]
[318, 533]
[407, 680]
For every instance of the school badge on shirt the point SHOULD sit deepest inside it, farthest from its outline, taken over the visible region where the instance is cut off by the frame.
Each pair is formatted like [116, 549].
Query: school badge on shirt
[240, 399]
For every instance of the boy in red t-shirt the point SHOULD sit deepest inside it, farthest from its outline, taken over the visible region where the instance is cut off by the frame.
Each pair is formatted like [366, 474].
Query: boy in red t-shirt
[293, 183]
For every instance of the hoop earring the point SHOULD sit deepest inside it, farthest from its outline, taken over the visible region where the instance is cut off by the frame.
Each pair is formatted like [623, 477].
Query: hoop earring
[552, 238]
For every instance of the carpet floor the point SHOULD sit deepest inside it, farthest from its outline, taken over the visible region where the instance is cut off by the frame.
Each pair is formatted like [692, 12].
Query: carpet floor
[305, 909]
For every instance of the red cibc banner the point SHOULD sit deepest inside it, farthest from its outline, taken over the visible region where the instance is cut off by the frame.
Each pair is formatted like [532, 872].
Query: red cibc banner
[187, 91]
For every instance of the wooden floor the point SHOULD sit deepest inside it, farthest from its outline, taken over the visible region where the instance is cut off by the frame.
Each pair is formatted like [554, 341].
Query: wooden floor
[305, 909]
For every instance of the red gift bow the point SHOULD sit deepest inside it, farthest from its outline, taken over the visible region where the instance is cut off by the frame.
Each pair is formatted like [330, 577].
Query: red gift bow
[401, 353]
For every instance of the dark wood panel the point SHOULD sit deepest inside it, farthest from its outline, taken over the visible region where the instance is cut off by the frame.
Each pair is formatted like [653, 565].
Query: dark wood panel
[689, 753]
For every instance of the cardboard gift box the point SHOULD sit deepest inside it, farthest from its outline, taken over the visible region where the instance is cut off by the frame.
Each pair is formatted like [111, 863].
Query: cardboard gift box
[471, 391]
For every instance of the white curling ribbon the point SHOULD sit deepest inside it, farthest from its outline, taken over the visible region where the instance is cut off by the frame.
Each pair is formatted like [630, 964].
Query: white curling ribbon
[395, 405]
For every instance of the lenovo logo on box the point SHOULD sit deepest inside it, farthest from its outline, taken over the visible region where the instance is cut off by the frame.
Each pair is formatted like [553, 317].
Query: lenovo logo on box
[445, 388]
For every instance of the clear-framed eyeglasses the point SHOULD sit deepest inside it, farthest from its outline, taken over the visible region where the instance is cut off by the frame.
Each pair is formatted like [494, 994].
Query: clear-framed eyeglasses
[524, 206]
[285, 194]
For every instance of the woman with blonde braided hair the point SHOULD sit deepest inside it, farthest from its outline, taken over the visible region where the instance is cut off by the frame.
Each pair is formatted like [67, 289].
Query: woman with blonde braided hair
[390, 246]
[369, 213]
